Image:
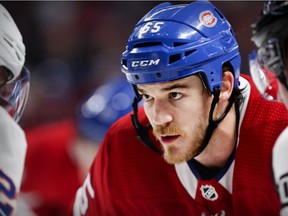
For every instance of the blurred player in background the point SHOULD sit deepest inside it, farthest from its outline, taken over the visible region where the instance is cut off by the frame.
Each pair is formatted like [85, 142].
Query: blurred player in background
[60, 153]
[14, 90]
[270, 35]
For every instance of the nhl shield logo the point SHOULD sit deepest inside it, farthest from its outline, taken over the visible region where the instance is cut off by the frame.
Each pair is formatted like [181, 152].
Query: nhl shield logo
[209, 192]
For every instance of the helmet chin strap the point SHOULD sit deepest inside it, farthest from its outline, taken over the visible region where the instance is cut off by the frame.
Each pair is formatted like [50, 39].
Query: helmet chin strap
[213, 124]
[142, 131]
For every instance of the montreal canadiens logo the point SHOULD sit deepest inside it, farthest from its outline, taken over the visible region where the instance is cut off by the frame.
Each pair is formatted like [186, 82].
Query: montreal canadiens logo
[207, 18]
[209, 192]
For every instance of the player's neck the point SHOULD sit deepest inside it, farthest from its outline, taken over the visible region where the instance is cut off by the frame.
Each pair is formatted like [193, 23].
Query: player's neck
[221, 143]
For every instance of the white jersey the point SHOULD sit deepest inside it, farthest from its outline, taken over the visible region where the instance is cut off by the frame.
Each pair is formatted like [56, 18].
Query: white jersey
[13, 147]
[280, 169]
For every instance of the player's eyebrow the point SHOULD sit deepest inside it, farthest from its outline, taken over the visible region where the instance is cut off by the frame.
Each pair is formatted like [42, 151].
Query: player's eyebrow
[175, 86]
[168, 88]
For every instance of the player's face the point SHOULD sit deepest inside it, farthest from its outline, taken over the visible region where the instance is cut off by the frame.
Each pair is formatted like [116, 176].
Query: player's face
[178, 112]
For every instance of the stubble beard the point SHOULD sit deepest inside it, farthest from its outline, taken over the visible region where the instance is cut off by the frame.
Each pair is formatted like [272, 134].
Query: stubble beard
[173, 156]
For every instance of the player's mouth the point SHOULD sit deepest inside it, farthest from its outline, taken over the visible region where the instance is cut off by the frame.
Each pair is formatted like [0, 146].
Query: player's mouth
[168, 139]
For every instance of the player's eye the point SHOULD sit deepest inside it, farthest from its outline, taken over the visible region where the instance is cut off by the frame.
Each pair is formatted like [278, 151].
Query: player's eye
[147, 97]
[176, 95]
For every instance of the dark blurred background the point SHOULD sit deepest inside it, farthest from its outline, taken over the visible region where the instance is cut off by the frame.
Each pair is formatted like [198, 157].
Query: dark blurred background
[73, 46]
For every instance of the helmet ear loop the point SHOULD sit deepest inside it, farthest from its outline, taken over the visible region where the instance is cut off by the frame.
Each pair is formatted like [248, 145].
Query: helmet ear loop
[213, 124]
[142, 131]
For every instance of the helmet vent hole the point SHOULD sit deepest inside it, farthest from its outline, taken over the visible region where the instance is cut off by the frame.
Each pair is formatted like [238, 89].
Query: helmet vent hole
[176, 44]
[136, 77]
[158, 75]
[174, 58]
[189, 52]
[18, 56]
[7, 41]
[124, 62]
[147, 44]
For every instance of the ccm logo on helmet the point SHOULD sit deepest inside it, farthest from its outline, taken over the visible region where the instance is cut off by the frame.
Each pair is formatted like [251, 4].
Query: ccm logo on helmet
[207, 18]
[145, 63]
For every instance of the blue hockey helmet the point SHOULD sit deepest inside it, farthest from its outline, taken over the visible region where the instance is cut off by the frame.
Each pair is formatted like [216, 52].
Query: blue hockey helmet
[107, 104]
[176, 41]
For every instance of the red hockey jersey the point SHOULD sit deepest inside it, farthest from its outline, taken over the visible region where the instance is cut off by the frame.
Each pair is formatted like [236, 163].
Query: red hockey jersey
[127, 178]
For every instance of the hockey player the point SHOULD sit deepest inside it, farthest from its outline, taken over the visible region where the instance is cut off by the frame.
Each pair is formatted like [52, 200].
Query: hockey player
[270, 35]
[60, 153]
[207, 129]
[14, 89]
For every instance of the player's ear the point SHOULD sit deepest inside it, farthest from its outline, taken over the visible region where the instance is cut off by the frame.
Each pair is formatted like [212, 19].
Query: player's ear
[227, 85]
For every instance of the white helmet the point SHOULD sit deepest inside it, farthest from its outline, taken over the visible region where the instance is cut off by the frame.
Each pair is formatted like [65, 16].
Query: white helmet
[12, 55]
[14, 91]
